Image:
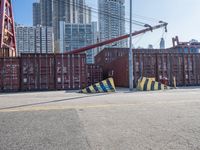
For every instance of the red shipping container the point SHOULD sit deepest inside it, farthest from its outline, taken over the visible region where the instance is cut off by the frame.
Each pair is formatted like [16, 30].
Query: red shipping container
[29, 72]
[63, 71]
[37, 72]
[110, 54]
[190, 69]
[1, 74]
[70, 71]
[94, 74]
[5, 52]
[184, 67]
[177, 70]
[149, 65]
[46, 72]
[118, 69]
[10, 74]
[78, 71]
[197, 70]
[163, 67]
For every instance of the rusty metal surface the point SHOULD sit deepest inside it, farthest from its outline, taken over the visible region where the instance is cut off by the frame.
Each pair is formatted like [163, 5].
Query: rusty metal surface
[70, 71]
[78, 72]
[63, 72]
[94, 74]
[118, 69]
[37, 72]
[10, 74]
[184, 67]
[33, 72]
[5, 52]
[108, 55]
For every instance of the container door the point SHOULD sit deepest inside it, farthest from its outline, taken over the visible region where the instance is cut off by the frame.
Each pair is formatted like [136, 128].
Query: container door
[1, 74]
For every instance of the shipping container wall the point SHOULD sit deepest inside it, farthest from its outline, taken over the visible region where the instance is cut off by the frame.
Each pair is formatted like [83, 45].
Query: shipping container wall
[78, 71]
[63, 72]
[1, 74]
[177, 69]
[70, 71]
[118, 69]
[162, 66]
[37, 72]
[185, 68]
[110, 54]
[190, 69]
[9, 74]
[94, 74]
[46, 72]
[197, 70]
[5, 52]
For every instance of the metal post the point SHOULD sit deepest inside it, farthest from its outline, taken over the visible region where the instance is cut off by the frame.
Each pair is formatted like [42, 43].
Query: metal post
[130, 52]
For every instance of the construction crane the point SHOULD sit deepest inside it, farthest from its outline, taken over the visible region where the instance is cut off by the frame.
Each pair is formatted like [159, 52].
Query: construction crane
[7, 29]
[147, 29]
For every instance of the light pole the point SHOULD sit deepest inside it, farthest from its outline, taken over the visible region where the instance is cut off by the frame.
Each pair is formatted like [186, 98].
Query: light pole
[130, 52]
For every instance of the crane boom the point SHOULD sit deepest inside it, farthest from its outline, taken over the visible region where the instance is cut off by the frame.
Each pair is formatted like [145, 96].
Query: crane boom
[149, 28]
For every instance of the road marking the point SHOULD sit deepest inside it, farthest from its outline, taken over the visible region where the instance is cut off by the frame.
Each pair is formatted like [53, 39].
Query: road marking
[46, 108]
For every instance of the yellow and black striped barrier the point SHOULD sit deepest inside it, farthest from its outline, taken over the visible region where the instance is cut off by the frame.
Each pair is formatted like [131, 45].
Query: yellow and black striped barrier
[104, 86]
[148, 84]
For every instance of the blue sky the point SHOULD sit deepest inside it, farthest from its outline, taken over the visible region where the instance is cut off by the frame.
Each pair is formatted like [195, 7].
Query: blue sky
[182, 16]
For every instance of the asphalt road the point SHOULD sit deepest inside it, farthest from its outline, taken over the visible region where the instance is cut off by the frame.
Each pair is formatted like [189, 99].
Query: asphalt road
[164, 120]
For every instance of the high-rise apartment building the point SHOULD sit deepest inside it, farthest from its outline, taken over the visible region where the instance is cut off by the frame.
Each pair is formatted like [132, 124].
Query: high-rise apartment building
[95, 38]
[74, 36]
[46, 10]
[36, 14]
[70, 11]
[34, 39]
[112, 20]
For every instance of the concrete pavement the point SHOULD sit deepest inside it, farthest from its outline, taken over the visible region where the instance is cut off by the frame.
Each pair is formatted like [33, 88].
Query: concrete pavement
[120, 121]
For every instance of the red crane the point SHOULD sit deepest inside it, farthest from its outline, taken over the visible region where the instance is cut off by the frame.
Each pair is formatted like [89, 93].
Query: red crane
[148, 28]
[7, 29]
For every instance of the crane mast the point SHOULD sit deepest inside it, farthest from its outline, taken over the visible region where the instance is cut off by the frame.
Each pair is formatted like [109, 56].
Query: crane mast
[7, 29]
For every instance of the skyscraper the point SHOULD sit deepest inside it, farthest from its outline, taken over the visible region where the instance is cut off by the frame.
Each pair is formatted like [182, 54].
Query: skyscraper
[69, 11]
[112, 20]
[162, 43]
[74, 36]
[36, 14]
[34, 39]
[46, 9]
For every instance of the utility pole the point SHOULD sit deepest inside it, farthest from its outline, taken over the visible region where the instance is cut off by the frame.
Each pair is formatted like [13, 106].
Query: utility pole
[130, 52]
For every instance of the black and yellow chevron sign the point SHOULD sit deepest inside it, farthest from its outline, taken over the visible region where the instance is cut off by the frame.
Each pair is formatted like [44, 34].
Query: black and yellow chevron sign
[104, 86]
[148, 84]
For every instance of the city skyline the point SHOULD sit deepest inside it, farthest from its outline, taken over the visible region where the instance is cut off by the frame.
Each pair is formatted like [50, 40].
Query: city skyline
[112, 21]
[178, 18]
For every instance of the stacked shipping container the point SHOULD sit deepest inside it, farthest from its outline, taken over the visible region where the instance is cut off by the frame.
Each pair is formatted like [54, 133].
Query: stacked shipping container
[70, 71]
[9, 74]
[5, 52]
[184, 67]
[33, 72]
[37, 72]
[94, 74]
[63, 72]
